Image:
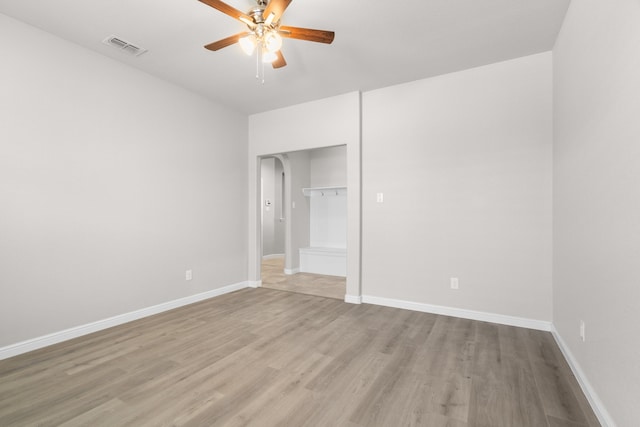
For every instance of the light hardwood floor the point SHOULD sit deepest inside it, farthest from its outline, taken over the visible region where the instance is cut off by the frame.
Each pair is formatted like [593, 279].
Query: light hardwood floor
[263, 357]
[273, 277]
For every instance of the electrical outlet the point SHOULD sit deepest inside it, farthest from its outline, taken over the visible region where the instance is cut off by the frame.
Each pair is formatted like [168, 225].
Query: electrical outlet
[379, 197]
[454, 283]
[583, 334]
[188, 275]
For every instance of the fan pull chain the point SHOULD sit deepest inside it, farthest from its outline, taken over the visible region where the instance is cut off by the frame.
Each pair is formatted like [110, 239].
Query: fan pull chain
[260, 62]
[262, 65]
[258, 55]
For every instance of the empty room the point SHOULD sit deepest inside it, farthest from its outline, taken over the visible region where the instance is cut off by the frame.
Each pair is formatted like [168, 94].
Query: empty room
[295, 213]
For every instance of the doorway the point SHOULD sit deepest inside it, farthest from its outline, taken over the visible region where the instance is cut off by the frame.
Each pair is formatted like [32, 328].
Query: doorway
[303, 221]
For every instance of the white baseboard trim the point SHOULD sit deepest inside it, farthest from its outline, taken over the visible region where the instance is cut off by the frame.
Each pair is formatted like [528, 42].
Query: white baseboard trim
[596, 404]
[353, 299]
[272, 256]
[460, 312]
[291, 271]
[78, 331]
[254, 283]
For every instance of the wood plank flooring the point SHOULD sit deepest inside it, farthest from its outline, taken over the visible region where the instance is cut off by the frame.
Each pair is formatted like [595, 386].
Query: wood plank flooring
[273, 277]
[262, 357]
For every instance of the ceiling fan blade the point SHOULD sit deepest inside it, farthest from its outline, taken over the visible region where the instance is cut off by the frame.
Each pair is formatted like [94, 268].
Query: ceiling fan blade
[229, 10]
[225, 42]
[308, 34]
[277, 7]
[279, 62]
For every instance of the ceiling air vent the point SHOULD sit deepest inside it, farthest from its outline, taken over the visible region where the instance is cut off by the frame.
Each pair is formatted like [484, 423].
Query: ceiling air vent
[124, 46]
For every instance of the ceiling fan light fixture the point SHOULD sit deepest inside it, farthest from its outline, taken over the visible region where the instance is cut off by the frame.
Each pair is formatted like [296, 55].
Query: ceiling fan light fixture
[272, 41]
[248, 44]
[264, 35]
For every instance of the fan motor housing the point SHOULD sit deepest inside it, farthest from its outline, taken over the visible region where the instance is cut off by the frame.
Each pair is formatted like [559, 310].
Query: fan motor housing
[257, 14]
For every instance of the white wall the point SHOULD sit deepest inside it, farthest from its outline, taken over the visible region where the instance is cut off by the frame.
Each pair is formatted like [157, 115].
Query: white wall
[272, 224]
[112, 183]
[299, 178]
[328, 214]
[597, 198]
[324, 123]
[464, 163]
[328, 167]
[278, 205]
[267, 170]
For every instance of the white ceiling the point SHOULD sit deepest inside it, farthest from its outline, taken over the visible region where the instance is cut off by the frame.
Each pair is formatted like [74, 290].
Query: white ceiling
[377, 44]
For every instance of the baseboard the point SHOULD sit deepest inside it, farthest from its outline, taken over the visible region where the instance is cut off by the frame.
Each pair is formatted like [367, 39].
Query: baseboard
[353, 299]
[254, 283]
[291, 271]
[272, 256]
[78, 331]
[459, 312]
[595, 402]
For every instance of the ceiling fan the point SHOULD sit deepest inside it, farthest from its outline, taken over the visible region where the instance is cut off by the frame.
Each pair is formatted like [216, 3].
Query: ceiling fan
[265, 33]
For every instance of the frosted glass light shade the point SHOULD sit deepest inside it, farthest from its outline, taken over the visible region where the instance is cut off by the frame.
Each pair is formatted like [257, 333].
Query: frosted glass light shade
[272, 42]
[248, 44]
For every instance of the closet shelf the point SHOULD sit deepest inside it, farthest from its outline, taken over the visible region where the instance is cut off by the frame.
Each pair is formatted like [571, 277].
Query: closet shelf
[324, 191]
